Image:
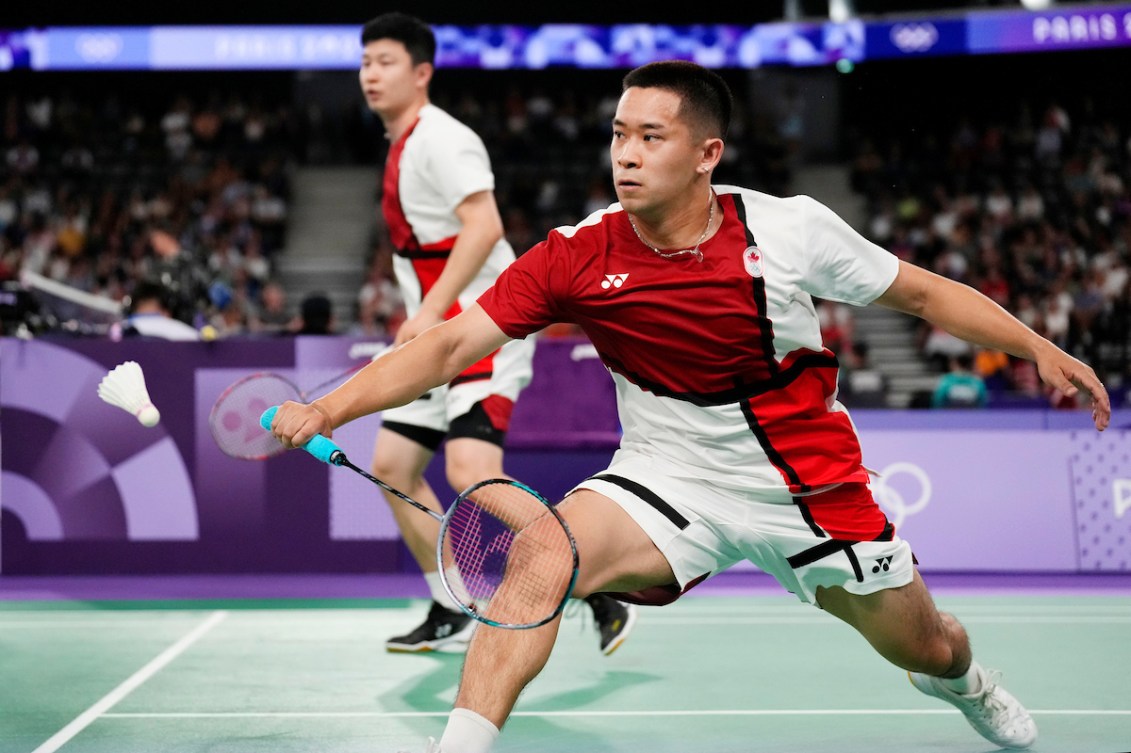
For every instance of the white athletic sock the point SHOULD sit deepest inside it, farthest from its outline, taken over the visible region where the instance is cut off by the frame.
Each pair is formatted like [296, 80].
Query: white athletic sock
[971, 682]
[439, 595]
[468, 732]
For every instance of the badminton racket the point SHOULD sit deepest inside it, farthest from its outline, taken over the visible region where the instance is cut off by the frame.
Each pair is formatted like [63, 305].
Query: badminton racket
[234, 418]
[504, 553]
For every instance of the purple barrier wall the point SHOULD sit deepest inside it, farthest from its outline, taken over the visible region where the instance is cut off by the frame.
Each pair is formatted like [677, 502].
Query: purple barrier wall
[86, 489]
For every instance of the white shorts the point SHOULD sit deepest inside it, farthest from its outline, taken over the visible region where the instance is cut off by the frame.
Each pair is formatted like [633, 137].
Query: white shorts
[804, 542]
[511, 371]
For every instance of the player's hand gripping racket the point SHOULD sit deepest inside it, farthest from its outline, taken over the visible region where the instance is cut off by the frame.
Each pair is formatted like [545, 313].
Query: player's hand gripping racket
[505, 555]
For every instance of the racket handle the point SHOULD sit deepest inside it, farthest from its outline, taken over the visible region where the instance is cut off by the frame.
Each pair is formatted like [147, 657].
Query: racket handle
[319, 446]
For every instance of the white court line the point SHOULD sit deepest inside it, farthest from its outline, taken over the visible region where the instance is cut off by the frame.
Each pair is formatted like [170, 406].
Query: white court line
[827, 620]
[87, 624]
[581, 713]
[83, 720]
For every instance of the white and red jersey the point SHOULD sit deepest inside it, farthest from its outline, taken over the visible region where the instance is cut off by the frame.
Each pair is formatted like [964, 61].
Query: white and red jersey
[719, 364]
[429, 171]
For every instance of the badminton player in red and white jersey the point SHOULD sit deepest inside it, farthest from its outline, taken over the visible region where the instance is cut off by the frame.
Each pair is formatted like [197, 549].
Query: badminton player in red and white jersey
[439, 207]
[699, 299]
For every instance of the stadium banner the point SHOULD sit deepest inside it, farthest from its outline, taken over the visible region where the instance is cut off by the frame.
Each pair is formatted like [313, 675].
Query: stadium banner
[86, 489]
[505, 47]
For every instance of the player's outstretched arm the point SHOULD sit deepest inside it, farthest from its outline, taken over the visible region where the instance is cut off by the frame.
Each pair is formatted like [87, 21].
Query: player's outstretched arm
[964, 312]
[398, 377]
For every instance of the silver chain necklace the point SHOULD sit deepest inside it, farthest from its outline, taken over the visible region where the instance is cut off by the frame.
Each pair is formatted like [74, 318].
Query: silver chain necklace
[695, 251]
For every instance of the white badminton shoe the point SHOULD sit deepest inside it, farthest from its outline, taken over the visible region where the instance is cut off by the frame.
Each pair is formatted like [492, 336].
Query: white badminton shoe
[430, 747]
[992, 711]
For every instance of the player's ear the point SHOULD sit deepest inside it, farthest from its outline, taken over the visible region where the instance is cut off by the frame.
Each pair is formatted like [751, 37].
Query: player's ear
[711, 155]
[423, 73]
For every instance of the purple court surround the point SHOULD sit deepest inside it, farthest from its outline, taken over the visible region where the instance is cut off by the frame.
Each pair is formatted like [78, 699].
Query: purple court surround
[87, 491]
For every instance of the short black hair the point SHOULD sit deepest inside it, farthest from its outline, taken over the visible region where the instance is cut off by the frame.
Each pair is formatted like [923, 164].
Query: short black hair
[150, 290]
[416, 36]
[317, 314]
[706, 101]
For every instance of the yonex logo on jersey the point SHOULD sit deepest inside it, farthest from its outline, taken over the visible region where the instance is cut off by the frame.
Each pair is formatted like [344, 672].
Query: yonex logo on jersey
[614, 281]
[752, 260]
[883, 563]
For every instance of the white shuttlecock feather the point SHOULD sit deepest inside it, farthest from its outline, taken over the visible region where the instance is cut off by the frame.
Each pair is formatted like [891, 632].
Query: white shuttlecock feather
[125, 388]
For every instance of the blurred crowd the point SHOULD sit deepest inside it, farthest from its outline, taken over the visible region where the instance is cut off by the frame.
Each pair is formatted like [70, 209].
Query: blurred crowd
[1034, 211]
[105, 188]
[190, 188]
[101, 192]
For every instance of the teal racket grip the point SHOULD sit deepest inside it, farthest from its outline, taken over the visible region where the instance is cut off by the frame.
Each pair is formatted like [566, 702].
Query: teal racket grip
[319, 446]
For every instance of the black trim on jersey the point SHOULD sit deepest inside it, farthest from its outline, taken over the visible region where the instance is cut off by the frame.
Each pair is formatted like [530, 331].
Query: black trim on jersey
[430, 439]
[807, 515]
[765, 326]
[740, 392]
[826, 549]
[774, 456]
[416, 253]
[888, 533]
[470, 378]
[646, 495]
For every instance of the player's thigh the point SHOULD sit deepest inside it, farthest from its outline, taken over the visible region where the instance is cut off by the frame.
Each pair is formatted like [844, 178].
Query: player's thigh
[398, 458]
[615, 553]
[468, 461]
[474, 450]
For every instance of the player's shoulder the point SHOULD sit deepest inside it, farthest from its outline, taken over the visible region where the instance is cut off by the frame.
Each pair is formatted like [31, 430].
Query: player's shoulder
[764, 211]
[594, 230]
[435, 119]
[758, 201]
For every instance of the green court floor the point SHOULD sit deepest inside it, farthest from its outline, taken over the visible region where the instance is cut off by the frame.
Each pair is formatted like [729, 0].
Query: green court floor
[711, 674]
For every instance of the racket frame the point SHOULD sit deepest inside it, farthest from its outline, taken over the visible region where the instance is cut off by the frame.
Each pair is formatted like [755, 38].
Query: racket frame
[328, 452]
[445, 522]
[300, 395]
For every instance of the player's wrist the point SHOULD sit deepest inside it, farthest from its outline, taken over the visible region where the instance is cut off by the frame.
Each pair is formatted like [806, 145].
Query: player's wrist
[318, 406]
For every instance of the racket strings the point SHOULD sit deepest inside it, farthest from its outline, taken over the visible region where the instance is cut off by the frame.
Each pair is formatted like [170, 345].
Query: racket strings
[234, 419]
[515, 560]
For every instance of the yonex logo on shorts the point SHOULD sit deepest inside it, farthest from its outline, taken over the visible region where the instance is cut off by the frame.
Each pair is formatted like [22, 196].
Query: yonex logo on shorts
[883, 563]
[614, 281]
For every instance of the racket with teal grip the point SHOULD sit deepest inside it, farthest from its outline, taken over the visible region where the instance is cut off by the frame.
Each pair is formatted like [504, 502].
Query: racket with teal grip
[504, 552]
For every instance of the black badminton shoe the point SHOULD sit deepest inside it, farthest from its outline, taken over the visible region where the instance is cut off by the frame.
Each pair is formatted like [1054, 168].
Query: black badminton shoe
[614, 619]
[442, 630]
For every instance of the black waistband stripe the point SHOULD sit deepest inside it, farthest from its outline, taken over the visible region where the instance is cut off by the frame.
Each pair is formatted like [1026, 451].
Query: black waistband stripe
[416, 253]
[646, 495]
[825, 549]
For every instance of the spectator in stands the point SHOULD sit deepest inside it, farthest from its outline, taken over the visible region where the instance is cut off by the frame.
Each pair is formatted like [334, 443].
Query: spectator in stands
[151, 315]
[960, 387]
[838, 326]
[316, 315]
[861, 384]
[993, 366]
[271, 316]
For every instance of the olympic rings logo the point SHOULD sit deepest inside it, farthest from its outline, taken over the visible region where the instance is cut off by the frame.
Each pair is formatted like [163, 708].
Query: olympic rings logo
[914, 37]
[99, 47]
[892, 498]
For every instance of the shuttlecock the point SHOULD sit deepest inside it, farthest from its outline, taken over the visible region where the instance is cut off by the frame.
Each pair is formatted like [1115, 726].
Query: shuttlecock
[124, 387]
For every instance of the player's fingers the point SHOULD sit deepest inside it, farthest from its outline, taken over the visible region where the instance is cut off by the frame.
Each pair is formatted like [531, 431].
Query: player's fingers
[288, 424]
[1101, 401]
[1083, 378]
